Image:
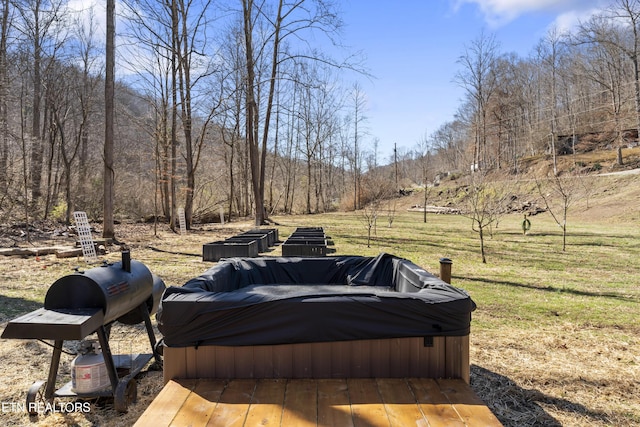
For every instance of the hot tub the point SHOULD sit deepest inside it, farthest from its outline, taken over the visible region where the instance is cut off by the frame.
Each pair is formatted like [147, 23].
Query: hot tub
[248, 317]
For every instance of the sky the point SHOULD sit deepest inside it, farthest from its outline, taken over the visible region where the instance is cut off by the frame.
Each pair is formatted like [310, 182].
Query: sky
[412, 48]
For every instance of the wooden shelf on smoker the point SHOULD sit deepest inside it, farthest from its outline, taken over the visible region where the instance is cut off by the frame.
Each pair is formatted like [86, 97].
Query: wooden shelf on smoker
[58, 324]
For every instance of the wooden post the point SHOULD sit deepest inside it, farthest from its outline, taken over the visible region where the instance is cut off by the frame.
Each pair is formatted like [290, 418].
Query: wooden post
[445, 270]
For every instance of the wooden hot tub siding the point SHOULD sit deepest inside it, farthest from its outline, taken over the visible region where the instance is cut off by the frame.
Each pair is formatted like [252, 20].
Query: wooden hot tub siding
[447, 357]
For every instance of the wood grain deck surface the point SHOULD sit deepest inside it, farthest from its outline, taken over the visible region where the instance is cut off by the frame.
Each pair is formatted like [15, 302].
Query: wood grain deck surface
[317, 402]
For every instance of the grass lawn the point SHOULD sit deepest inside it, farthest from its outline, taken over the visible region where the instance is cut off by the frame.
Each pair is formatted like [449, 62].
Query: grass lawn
[556, 336]
[555, 339]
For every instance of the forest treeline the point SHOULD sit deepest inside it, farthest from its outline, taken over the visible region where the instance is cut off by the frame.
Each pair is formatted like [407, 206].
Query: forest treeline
[254, 108]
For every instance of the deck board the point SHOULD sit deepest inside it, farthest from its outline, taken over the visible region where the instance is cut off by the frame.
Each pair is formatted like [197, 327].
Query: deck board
[266, 403]
[231, 410]
[161, 411]
[434, 403]
[467, 404]
[301, 403]
[197, 408]
[400, 404]
[334, 408]
[367, 407]
[317, 402]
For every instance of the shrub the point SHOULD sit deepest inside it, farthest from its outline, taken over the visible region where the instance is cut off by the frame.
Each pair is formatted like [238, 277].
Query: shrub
[59, 212]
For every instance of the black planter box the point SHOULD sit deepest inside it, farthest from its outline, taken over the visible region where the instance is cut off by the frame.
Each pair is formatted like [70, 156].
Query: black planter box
[214, 251]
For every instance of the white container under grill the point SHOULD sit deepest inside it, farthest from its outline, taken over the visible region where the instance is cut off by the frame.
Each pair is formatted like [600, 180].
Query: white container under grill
[89, 373]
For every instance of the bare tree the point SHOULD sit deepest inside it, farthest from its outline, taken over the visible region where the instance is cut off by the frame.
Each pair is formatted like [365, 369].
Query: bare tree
[479, 78]
[425, 161]
[23, 139]
[190, 54]
[506, 110]
[86, 94]
[558, 194]
[235, 155]
[606, 61]
[252, 111]
[359, 119]
[376, 188]
[485, 204]
[153, 29]
[108, 230]
[448, 141]
[175, 33]
[628, 13]
[4, 93]
[316, 108]
[41, 24]
[61, 111]
[550, 51]
[289, 19]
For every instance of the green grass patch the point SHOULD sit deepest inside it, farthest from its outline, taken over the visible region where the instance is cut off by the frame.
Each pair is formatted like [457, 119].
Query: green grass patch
[528, 280]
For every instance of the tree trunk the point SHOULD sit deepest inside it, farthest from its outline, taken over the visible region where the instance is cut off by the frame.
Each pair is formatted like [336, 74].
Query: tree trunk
[424, 213]
[308, 210]
[232, 187]
[636, 83]
[192, 151]
[619, 156]
[251, 108]
[175, 46]
[267, 121]
[109, 96]
[4, 92]
[37, 147]
[482, 251]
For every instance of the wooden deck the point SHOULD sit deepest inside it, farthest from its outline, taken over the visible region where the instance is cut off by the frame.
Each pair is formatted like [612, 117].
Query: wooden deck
[332, 402]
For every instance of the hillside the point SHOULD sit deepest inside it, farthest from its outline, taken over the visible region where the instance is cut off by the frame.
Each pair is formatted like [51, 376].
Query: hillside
[606, 191]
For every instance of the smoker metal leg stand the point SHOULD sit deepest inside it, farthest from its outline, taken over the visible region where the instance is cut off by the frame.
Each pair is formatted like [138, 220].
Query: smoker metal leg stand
[152, 336]
[124, 390]
[127, 389]
[35, 397]
[107, 356]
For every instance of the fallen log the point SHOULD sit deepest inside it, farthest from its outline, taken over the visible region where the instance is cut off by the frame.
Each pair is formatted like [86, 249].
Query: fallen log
[69, 253]
[435, 210]
[46, 250]
[75, 252]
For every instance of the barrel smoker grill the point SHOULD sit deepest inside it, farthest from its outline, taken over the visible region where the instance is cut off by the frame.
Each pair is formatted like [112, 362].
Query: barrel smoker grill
[85, 302]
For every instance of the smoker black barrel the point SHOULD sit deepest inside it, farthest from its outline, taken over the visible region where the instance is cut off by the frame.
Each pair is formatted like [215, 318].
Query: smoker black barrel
[134, 316]
[118, 288]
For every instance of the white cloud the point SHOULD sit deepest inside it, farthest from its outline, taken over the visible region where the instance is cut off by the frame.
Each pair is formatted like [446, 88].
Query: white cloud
[89, 12]
[500, 12]
[567, 21]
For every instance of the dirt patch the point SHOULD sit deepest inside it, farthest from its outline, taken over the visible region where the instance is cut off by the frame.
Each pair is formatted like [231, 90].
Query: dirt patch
[566, 377]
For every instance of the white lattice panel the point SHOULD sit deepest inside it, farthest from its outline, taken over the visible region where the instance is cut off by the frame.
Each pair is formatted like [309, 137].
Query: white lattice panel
[183, 221]
[84, 234]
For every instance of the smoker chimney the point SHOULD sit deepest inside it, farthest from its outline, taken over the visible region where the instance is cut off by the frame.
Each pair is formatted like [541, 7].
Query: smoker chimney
[126, 261]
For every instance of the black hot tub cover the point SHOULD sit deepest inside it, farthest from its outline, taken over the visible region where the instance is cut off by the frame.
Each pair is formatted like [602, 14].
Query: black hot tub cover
[258, 301]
